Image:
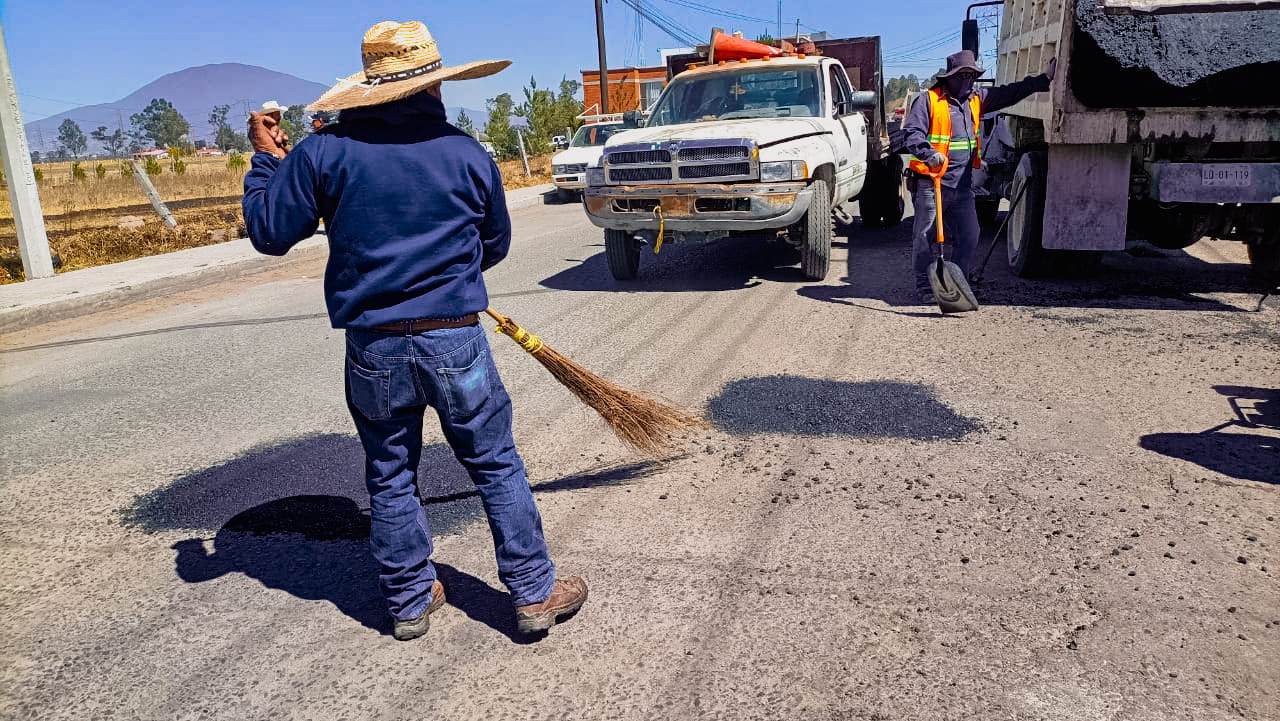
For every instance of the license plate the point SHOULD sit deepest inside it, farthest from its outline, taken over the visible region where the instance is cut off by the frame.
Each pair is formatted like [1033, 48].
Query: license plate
[1225, 176]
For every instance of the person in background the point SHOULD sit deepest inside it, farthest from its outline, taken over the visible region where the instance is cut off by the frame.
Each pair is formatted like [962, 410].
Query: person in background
[942, 133]
[414, 211]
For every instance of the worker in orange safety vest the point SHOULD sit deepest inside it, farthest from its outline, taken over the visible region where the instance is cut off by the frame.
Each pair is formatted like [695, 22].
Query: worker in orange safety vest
[942, 133]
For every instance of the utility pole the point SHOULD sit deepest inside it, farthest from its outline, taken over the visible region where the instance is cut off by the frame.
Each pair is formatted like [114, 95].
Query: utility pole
[779, 21]
[24, 194]
[604, 70]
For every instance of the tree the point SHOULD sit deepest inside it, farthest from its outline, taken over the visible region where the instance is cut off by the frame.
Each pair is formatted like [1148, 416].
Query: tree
[464, 123]
[499, 128]
[294, 123]
[113, 143]
[224, 137]
[897, 88]
[160, 123]
[72, 139]
[567, 106]
[538, 109]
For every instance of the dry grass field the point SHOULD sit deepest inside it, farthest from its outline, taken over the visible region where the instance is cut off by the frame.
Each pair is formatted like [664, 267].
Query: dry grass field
[98, 220]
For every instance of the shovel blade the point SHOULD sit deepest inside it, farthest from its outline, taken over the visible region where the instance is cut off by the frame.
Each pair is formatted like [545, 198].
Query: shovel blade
[951, 289]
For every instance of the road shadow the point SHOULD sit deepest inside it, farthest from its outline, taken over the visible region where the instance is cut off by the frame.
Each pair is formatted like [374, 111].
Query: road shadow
[295, 518]
[1224, 448]
[725, 264]
[815, 407]
[1143, 277]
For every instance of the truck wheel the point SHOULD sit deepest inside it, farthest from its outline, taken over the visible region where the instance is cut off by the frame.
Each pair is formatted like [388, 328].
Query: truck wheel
[815, 234]
[1026, 219]
[894, 204]
[1264, 263]
[623, 252]
[987, 211]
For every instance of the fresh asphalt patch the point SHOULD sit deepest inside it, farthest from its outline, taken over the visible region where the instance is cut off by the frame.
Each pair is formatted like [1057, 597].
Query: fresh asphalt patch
[815, 407]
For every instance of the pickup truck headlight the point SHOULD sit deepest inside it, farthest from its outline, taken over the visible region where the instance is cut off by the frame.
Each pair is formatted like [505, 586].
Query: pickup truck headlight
[595, 176]
[558, 169]
[783, 170]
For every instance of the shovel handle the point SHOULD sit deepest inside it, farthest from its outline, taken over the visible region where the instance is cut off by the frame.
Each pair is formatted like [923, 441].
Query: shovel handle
[937, 197]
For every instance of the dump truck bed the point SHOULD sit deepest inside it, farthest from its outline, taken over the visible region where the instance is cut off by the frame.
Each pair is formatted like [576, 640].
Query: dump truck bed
[1145, 78]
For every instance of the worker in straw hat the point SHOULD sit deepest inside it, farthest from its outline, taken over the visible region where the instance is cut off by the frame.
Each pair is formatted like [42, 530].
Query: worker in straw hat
[414, 211]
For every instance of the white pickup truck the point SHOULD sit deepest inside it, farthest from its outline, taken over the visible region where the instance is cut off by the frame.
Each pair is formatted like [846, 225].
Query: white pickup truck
[747, 147]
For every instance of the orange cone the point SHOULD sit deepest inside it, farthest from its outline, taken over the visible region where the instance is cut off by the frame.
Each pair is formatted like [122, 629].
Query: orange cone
[730, 47]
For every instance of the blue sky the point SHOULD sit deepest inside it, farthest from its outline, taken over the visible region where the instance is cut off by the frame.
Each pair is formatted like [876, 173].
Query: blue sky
[70, 53]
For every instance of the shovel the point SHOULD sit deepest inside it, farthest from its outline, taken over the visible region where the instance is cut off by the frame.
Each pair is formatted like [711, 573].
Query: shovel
[950, 288]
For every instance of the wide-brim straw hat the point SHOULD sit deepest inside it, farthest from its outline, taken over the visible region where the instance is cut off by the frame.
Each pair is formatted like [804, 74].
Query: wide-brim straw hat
[272, 106]
[399, 59]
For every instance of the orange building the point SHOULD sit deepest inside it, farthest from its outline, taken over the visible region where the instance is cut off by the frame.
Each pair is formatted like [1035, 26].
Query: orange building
[629, 89]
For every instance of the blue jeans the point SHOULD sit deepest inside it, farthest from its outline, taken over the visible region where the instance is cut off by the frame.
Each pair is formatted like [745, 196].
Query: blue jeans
[391, 380]
[959, 224]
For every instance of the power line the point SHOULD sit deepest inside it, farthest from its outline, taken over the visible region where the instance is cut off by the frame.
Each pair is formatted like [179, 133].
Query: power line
[661, 21]
[707, 9]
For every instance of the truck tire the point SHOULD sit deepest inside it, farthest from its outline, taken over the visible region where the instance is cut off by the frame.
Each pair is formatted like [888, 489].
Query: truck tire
[1264, 263]
[895, 203]
[1027, 258]
[623, 252]
[815, 230]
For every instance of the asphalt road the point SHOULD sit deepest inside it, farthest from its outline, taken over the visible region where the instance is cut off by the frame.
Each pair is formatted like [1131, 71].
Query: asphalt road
[1060, 507]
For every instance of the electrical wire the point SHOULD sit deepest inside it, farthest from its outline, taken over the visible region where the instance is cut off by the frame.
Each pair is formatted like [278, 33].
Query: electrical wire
[707, 9]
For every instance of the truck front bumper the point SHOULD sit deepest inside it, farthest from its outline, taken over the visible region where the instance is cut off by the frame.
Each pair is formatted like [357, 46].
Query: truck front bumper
[698, 207]
[570, 181]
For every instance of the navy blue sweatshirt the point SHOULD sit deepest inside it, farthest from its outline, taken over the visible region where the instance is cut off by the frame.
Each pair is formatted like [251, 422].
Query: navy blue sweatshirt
[413, 207]
[915, 128]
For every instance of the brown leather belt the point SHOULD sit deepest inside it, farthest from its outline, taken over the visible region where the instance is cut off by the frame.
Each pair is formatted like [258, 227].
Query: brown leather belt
[424, 324]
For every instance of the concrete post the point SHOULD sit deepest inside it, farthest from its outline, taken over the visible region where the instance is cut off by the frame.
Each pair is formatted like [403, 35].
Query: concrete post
[24, 195]
[523, 156]
[149, 190]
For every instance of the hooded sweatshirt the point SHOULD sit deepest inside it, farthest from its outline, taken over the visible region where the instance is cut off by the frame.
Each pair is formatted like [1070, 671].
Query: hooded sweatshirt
[413, 207]
[960, 160]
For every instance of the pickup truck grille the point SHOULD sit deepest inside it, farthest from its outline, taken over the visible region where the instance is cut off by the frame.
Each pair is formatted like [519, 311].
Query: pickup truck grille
[640, 175]
[718, 170]
[685, 160]
[639, 157]
[716, 153]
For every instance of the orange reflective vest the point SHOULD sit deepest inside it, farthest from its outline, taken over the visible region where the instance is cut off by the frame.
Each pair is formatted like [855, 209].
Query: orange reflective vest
[940, 132]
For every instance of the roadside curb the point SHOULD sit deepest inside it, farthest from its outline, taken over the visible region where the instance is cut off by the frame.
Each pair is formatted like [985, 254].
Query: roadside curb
[79, 292]
[89, 290]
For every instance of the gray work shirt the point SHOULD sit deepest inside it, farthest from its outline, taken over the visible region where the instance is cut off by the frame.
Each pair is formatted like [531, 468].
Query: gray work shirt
[960, 160]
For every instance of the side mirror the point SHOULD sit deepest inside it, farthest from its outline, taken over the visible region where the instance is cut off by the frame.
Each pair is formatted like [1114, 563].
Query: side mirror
[862, 100]
[969, 36]
[632, 119]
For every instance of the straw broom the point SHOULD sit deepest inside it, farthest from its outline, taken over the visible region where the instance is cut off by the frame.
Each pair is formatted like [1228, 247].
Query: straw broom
[642, 422]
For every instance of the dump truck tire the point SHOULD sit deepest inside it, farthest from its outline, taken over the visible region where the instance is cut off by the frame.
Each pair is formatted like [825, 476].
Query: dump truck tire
[816, 230]
[1027, 258]
[1264, 263]
[623, 252]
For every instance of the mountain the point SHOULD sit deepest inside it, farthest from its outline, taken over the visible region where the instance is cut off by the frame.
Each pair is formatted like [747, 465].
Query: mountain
[193, 92]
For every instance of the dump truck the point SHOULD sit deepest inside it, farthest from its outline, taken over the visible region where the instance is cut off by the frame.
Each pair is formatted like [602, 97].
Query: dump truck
[743, 145]
[1162, 125]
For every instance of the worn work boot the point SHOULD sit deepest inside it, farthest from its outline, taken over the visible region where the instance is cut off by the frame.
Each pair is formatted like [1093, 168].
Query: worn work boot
[415, 627]
[567, 596]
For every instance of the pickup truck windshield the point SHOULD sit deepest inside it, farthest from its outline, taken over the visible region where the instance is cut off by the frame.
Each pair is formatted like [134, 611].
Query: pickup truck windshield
[784, 92]
[589, 135]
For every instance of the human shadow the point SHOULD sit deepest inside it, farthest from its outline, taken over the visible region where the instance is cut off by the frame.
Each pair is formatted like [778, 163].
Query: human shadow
[1246, 456]
[1142, 277]
[725, 264]
[294, 517]
[801, 406]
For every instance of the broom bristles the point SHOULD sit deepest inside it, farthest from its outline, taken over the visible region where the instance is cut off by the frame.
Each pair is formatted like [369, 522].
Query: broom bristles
[639, 420]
